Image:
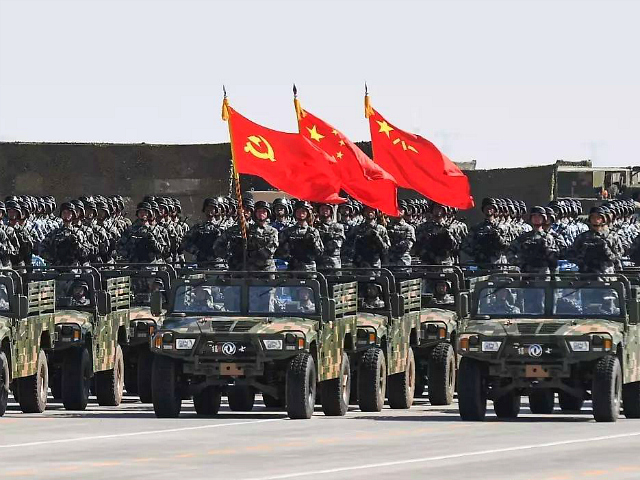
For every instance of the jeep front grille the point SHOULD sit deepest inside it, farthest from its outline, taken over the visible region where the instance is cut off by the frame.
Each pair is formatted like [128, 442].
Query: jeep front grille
[527, 328]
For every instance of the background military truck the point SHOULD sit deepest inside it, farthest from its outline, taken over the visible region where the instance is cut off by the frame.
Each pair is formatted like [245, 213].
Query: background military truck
[90, 330]
[383, 365]
[280, 334]
[138, 358]
[444, 309]
[26, 331]
[534, 335]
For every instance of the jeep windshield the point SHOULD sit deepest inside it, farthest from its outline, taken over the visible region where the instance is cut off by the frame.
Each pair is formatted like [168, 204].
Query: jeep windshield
[286, 299]
[502, 301]
[203, 299]
[143, 287]
[73, 293]
[586, 302]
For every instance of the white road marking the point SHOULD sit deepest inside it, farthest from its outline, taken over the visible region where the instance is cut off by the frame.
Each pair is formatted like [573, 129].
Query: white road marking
[446, 457]
[135, 434]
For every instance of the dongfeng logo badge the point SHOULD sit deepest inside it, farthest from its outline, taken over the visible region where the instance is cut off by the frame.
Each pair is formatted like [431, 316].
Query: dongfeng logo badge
[535, 350]
[229, 348]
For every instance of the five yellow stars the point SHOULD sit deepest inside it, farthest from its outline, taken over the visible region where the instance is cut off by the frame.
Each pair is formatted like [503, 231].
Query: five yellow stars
[384, 127]
[313, 132]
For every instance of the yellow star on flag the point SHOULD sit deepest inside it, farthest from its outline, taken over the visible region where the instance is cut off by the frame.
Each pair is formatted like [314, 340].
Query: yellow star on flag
[313, 132]
[384, 127]
[339, 155]
[342, 143]
[334, 131]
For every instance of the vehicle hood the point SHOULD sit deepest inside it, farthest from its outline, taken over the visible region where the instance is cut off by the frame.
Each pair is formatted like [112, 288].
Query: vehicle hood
[550, 326]
[251, 325]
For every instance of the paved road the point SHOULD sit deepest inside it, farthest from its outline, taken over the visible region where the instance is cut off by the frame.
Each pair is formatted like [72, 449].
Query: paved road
[424, 442]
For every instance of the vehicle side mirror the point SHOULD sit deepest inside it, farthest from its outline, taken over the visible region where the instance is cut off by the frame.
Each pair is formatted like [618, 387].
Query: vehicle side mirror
[156, 303]
[20, 306]
[328, 309]
[104, 302]
[397, 305]
[634, 314]
[463, 307]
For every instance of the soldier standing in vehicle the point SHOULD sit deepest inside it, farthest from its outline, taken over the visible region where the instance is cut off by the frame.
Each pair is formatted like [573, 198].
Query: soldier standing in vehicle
[535, 251]
[485, 243]
[280, 220]
[67, 244]
[26, 242]
[370, 240]
[138, 243]
[332, 235]
[301, 243]
[230, 244]
[438, 241]
[402, 236]
[200, 239]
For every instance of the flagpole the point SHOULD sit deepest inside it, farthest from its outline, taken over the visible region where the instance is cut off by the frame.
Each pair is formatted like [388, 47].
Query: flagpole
[236, 176]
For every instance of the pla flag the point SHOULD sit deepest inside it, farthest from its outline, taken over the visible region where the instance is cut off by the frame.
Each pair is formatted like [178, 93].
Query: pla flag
[287, 161]
[416, 163]
[360, 176]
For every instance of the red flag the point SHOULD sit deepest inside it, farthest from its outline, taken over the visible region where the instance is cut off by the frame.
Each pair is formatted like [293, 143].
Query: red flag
[361, 177]
[416, 163]
[287, 161]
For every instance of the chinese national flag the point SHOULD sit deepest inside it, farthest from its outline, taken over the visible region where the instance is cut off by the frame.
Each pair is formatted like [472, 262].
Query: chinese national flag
[360, 176]
[287, 161]
[416, 163]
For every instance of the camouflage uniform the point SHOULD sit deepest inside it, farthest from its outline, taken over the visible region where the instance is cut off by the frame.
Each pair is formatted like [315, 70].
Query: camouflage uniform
[200, 239]
[140, 244]
[402, 236]
[333, 237]
[369, 243]
[437, 244]
[534, 252]
[301, 245]
[596, 252]
[486, 244]
[66, 245]
[262, 242]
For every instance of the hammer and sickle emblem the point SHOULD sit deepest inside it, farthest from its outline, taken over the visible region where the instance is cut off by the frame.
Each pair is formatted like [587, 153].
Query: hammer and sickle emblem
[257, 141]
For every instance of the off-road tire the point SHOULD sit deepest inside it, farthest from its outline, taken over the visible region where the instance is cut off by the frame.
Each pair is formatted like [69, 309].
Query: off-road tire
[442, 374]
[301, 386]
[400, 386]
[166, 396]
[5, 380]
[472, 390]
[507, 406]
[143, 377]
[110, 383]
[241, 398]
[207, 402]
[76, 376]
[372, 380]
[606, 389]
[631, 399]
[33, 390]
[541, 402]
[568, 403]
[337, 391]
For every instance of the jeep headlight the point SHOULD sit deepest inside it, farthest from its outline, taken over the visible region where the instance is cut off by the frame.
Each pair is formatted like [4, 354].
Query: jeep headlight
[491, 346]
[579, 345]
[272, 344]
[185, 343]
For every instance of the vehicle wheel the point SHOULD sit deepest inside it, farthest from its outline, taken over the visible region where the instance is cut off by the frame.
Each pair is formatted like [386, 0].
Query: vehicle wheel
[5, 380]
[372, 380]
[272, 402]
[131, 374]
[32, 390]
[631, 400]
[76, 376]
[110, 383]
[207, 402]
[337, 391]
[607, 389]
[442, 375]
[541, 401]
[167, 398]
[56, 384]
[507, 406]
[301, 386]
[143, 377]
[472, 390]
[569, 403]
[400, 386]
[241, 398]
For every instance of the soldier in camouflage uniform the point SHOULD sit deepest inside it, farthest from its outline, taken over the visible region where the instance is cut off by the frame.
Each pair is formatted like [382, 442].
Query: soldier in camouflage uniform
[301, 244]
[332, 235]
[200, 239]
[103, 212]
[12, 243]
[346, 213]
[486, 243]
[67, 244]
[535, 251]
[25, 240]
[230, 244]
[548, 227]
[402, 236]
[139, 243]
[598, 250]
[103, 244]
[439, 240]
[280, 214]
[369, 240]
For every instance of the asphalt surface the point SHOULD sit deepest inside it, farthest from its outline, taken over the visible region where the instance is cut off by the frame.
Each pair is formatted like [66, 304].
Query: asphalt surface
[423, 442]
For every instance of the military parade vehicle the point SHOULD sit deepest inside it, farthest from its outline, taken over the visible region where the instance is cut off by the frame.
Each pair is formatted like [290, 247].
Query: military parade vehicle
[574, 334]
[26, 332]
[383, 365]
[240, 332]
[91, 328]
[138, 358]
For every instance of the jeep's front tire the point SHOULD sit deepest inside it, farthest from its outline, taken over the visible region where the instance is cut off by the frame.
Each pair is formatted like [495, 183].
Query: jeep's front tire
[541, 401]
[631, 400]
[372, 380]
[241, 398]
[606, 389]
[507, 406]
[207, 402]
[337, 391]
[472, 390]
[442, 374]
[166, 397]
[400, 386]
[76, 376]
[33, 390]
[5, 381]
[301, 386]
[110, 383]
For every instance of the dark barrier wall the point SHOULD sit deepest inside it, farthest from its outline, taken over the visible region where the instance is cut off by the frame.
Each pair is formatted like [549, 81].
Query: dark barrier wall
[189, 172]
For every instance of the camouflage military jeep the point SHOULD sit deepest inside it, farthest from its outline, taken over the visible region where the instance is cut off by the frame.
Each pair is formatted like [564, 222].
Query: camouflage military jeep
[26, 330]
[138, 358]
[577, 335]
[91, 326]
[239, 332]
[383, 365]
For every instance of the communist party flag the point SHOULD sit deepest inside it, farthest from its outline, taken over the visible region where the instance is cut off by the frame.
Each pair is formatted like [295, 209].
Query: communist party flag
[416, 163]
[287, 161]
[360, 176]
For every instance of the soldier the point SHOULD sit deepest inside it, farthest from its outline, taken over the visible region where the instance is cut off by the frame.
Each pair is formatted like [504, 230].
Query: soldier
[486, 243]
[67, 244]
[332, 236]
[535, 251]
[12, 245]
[25, 240]
[402, 236]
[369, 240]
[549, 220]
[634, 251]
[301, 243]
[139, 243]
[280, 217]
[103, 213]
[200, 239]
[102, 252]
[598, 250]
[262, 240]
[438, 241]
[230, 244]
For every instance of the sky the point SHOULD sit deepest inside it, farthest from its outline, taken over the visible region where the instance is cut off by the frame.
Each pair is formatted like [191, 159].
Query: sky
[506, 83]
